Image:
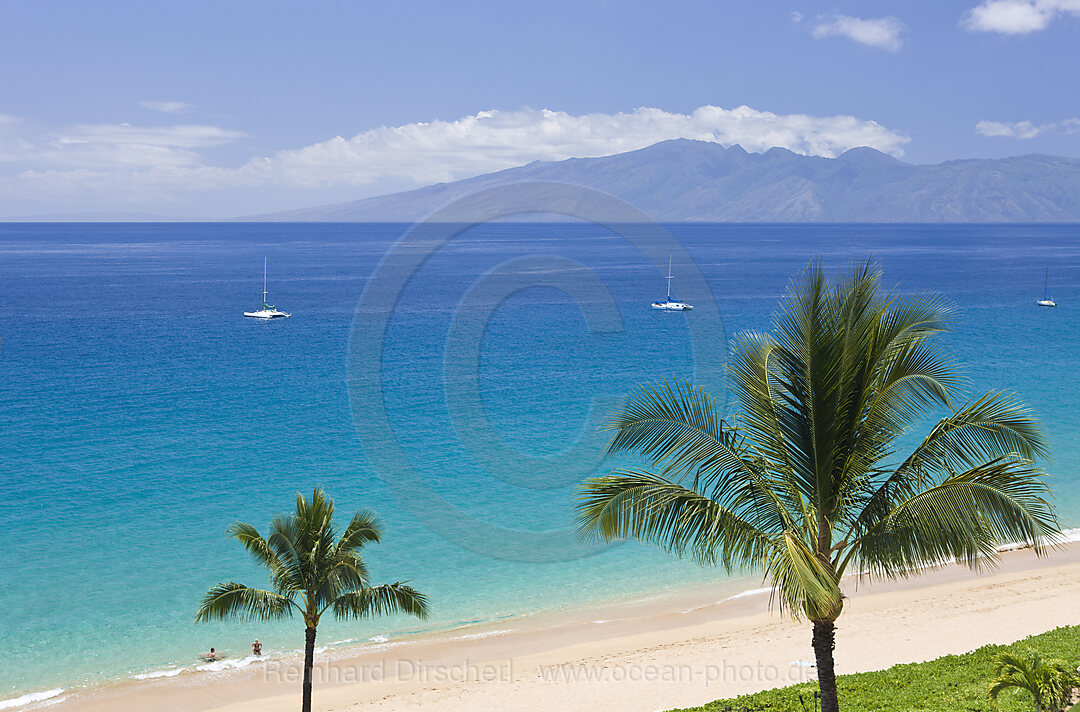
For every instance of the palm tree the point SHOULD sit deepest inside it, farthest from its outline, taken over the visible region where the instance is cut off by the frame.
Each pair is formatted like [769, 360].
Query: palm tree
[1048, 680]
[806, 483]
[312, 571]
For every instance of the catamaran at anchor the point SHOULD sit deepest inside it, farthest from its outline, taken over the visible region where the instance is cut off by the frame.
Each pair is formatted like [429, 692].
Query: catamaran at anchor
[667, 304]
[268, 311]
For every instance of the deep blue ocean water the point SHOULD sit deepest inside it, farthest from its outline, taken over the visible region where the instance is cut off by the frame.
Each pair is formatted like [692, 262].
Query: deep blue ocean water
[141, 414]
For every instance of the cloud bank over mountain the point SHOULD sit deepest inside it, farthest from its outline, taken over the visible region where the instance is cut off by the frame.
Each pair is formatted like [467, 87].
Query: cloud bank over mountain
[494, 140]
[135, 164]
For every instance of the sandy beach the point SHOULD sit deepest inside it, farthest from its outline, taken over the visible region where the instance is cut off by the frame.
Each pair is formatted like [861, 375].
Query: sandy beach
[682, 650]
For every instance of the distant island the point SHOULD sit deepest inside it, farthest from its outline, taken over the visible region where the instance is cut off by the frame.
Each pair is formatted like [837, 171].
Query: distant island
[684, 180]
[700, 181]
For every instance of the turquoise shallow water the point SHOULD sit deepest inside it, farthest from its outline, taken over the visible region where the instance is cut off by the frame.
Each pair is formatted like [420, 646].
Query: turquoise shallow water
[141, 414]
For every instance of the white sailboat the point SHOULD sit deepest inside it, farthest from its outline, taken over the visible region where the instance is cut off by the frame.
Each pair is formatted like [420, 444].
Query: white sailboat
[268, 311]
[1046, 301]
[667, 304]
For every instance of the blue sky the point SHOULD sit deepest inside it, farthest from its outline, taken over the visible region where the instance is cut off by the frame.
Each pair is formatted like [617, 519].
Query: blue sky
[229, 108]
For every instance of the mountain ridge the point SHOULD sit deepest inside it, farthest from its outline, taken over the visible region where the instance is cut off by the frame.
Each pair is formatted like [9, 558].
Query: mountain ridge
[684, 180]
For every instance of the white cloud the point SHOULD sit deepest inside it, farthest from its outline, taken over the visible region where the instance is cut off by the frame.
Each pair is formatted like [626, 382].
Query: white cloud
[181, 136]
[494, 140]
[883, 32]
[124, 162]
[167, 107]
[12, 143]
[1026, 129]
[100, 146]
[1017, 17]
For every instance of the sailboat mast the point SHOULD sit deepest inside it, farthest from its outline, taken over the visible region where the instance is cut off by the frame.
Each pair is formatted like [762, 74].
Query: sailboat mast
[669, 276]
[264, 280]
[1046, 282]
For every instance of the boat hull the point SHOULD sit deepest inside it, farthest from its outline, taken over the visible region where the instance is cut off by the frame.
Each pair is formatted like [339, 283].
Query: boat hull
[672, 306]
[267, 315]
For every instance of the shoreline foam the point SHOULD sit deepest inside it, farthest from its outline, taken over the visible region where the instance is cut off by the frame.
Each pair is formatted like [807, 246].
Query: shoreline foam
[30, 698]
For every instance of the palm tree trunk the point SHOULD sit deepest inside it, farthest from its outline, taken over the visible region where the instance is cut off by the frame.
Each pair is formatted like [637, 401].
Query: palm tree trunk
[824, 642]
[309, 663]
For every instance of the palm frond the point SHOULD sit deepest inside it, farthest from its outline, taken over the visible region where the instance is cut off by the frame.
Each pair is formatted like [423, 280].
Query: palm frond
[801, 581]
[674, 426]
[762, 398]
[648, 507]
[346, 571]
[364, 528]
[249, 537]
[913, 379]
[995, 425]
[988, 428]
[283, 540]
[235, 600]
[914, 317]
[382, 600]
[964, 518]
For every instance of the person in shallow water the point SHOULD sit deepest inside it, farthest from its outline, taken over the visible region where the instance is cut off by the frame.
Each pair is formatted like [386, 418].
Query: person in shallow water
[212, 655]
[256, 647]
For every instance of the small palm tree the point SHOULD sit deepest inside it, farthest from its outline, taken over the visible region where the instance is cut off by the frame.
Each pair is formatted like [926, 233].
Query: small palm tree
[807, 482]
[312, 571]
[1048, 680]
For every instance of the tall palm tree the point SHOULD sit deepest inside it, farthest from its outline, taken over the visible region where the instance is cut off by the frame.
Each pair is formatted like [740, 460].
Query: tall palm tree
[312, 571]
[807, 483]
[1048, 680]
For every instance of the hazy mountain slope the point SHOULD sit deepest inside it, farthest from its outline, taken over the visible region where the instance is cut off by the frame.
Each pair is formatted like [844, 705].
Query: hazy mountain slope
[685, 180]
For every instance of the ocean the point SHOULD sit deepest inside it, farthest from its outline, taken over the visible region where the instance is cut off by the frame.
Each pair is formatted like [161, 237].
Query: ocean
[458, 389]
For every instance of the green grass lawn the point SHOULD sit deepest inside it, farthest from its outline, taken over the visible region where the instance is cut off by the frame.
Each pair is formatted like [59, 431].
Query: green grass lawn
[954, 683]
